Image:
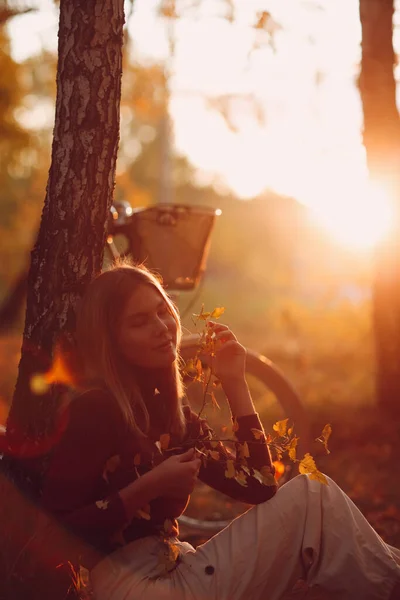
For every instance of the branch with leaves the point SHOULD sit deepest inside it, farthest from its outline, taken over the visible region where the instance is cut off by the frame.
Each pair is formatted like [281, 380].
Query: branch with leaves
[283, 443]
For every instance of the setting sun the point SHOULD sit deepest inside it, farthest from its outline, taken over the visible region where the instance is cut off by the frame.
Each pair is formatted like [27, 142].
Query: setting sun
[358, 220]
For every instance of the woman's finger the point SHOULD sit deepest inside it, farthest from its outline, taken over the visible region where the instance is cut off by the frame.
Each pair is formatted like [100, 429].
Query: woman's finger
[217, 326]
[187, 456]
[225, 335]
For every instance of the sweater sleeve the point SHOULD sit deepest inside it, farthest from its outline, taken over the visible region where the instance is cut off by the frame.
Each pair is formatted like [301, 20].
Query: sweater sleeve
[71, 486]
[254, 484]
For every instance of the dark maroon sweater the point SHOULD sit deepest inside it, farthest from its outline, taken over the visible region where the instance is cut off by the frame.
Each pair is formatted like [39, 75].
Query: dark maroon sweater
[95, 458]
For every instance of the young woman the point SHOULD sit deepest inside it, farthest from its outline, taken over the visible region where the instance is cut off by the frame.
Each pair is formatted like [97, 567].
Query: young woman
[111, 485]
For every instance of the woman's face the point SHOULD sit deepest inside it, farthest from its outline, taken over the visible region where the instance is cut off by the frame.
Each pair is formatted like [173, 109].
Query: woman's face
[147, 332]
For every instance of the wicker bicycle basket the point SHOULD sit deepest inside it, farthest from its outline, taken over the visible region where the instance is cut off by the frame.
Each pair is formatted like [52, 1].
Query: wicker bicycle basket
[173, 240]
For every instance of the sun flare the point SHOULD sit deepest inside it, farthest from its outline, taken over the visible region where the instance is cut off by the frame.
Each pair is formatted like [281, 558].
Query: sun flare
[359, 221]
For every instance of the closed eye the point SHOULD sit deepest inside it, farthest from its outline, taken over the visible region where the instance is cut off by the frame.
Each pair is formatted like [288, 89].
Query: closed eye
[163, 310]
[137, 321]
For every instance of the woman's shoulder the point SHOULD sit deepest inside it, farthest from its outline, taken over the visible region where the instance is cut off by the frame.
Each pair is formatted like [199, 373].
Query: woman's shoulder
[94, 404]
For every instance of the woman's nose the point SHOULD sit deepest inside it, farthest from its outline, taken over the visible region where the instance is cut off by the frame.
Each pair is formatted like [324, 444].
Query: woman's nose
[161, 326]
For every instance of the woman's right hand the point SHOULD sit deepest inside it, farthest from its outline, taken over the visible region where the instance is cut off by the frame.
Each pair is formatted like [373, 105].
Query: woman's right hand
[177, 475]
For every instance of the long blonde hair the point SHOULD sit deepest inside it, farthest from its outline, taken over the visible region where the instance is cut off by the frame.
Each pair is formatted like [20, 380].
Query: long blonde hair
[102, 366]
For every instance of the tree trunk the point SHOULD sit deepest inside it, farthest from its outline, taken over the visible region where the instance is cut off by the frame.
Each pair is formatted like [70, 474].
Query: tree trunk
[382, 143]
[69, 248]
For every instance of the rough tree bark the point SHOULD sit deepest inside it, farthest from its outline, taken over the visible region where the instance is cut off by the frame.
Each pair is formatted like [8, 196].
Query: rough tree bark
[69, 248]
[382, 143]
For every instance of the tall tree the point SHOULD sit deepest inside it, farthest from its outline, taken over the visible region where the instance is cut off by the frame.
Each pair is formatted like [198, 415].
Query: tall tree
[382, 143]
[69, 247]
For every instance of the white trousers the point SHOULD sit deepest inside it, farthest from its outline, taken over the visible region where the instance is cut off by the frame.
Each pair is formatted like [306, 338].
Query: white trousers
[307, 530]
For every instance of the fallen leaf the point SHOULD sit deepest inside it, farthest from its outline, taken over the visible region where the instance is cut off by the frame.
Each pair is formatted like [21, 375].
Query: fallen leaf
[324, 437]
[202, 316]
[241, 478]
[144, 513]
[280, 427]
[168, 526]
[243, 450]
[292, 448]
[264, 476]
[318, 476]
[258, 434]
[217, 312]
[307, 464]
[230, 469]
[214, 454]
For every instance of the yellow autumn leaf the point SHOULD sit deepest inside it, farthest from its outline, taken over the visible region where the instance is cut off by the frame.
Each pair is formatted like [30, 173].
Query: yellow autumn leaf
[258, 434]
[264, 476]
[318, 476]
[168, 526]
[190, 368]
[307, 464]
[214, 454]
[199, 370]
[292, 448]
[173, 551]
[324, 437]
[266, 473]
[217, 312]
[202, 316]
[280, 427]
[165, 439]
[243, 450]
[167, 559]
[143, 513]
[262, 19]
[230, 469]
[241, 478]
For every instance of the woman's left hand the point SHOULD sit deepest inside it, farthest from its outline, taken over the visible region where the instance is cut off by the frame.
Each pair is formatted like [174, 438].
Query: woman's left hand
[230, 356]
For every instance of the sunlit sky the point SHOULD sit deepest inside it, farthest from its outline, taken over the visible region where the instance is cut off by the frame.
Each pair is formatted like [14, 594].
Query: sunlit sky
[309, 144]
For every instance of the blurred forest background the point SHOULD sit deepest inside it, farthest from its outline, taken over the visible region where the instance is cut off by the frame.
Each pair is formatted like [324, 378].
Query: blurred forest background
[290, 288]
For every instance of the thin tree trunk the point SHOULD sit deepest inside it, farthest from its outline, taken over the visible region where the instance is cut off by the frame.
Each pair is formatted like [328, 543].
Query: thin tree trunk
[69, 248]
[382, 143]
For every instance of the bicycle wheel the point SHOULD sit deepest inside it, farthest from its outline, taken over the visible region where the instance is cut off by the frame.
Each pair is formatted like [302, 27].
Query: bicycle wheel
[274, 398]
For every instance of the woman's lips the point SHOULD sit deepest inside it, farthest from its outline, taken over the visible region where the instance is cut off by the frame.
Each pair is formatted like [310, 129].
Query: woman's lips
[166, 345]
